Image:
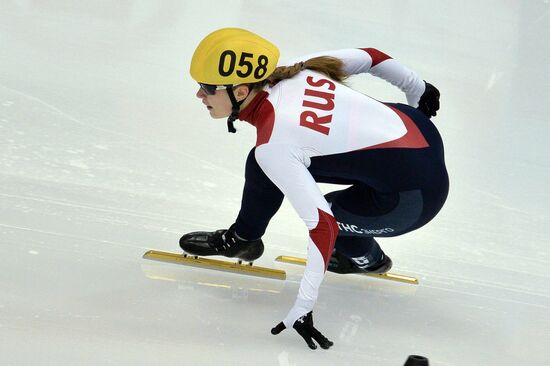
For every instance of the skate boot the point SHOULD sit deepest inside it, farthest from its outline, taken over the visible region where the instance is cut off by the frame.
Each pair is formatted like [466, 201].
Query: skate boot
[222, 242]
[339, 263]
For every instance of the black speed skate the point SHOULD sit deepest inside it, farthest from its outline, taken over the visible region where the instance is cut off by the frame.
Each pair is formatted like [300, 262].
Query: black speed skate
[222, 242]
[339, 263]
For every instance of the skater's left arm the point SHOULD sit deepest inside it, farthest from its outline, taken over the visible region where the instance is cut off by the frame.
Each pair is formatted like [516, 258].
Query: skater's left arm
[286, 166]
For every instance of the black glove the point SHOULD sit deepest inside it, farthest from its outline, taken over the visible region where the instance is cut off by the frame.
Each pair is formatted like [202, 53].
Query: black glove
[304, 327]
[429, 101]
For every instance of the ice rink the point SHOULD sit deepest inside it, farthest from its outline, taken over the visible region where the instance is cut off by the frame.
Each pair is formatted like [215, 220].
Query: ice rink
[105, 152]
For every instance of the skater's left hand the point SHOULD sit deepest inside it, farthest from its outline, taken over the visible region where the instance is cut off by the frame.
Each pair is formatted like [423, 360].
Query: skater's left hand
[304, 327]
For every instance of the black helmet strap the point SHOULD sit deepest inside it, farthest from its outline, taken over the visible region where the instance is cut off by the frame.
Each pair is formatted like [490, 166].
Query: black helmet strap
[236, 107]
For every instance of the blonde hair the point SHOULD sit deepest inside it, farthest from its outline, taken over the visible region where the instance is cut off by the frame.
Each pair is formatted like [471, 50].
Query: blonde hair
[330, 66]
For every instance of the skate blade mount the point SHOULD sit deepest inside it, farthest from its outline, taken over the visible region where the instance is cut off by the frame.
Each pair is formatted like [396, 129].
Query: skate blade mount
[385, 276]
[219, 265]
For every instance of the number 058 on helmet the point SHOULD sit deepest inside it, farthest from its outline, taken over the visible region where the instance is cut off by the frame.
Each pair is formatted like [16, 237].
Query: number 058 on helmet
[232, 56]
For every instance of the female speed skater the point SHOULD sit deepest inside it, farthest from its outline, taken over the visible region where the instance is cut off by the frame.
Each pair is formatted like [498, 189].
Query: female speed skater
[312, 128]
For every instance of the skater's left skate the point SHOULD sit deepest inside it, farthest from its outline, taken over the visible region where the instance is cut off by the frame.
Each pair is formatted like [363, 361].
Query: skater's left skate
[222, 242]
[200, 244]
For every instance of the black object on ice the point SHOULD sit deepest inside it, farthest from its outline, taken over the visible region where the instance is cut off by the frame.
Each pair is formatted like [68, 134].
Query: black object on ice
[414, 360]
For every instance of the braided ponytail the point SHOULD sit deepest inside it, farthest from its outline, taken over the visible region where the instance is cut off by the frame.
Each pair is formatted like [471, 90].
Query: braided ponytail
[330, 66]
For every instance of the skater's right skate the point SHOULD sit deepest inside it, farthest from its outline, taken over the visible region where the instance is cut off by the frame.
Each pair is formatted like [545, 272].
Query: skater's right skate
[340, 263]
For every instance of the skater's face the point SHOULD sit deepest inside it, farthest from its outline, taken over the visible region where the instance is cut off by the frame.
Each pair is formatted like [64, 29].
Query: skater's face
[217, 100]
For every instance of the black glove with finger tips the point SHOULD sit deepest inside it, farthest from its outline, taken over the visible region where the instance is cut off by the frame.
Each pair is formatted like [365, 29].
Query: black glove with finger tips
[429, 101]
[304, 327]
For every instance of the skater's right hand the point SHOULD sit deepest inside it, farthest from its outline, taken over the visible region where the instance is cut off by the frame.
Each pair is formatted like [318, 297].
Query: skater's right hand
[429, 101]
[304, 327]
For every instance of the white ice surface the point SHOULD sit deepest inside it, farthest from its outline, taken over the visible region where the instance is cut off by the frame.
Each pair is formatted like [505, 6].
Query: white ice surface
[105, 152]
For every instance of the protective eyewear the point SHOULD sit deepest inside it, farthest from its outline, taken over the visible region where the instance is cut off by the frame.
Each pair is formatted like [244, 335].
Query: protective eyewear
[211, 89]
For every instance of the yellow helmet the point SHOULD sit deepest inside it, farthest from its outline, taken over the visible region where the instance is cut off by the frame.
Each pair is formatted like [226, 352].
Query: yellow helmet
[231, 56]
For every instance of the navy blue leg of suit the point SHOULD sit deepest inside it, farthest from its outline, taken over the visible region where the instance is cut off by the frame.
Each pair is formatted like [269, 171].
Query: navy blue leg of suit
[260, 201]
[392, 191]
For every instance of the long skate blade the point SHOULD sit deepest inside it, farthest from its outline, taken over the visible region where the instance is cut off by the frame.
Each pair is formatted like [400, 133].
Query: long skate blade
[215, 264]
[386, 276]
